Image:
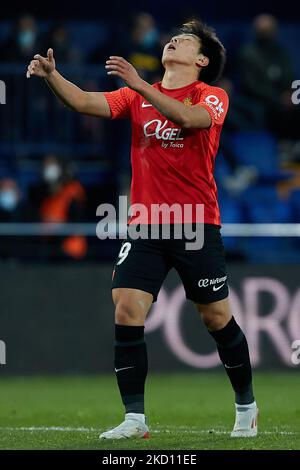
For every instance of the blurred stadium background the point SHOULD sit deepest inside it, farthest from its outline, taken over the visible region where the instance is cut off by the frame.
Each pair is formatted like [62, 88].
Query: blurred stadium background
[56, 315]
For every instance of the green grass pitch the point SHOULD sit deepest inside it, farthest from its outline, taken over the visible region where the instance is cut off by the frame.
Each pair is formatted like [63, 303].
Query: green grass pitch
[185, 411]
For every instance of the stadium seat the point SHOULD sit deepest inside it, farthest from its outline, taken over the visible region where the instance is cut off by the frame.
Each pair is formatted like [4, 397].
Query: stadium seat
[27, 173]
[256, 148]
[295, 204]
[231, 213]
[262, 205]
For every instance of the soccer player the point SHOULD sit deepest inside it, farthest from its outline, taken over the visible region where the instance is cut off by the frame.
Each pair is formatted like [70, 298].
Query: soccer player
[176, 126]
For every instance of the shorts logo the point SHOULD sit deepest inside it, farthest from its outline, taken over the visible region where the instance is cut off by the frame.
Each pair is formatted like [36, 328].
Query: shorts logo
[219, 287]
[213, 282]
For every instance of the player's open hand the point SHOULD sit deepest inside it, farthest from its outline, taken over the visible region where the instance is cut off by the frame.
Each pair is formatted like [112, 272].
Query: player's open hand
[41, 66]
[119, 66]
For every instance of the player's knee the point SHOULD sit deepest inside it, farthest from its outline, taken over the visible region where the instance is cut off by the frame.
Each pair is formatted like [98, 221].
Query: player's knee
[215, 315]
[131, 306]
[126, 313]
[215, 319]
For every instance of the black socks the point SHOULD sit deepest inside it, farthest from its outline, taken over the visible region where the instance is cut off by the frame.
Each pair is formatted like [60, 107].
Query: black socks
[234, 354]
[131, 366]
[131, 363]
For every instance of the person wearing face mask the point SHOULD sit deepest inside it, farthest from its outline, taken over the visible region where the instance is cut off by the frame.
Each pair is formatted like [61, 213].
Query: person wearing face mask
[52, 171]
[144, 46]
[59, 36]
[13, 209]
[266, 76]
[60, 199]
[22, 42]
[10, 199]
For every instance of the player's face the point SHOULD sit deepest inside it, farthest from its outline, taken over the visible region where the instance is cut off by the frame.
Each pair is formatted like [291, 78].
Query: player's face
[182, 49]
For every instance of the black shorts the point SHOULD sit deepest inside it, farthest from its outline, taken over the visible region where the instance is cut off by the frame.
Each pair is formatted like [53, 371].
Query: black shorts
[144, 263]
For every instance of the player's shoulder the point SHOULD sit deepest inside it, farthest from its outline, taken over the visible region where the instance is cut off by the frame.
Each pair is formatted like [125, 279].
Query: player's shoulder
[157, 85]
[130, 96]
[128, 92]
[203, 87]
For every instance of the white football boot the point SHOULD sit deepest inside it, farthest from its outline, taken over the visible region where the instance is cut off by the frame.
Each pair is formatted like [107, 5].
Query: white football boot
[133, 427]
[245, 420]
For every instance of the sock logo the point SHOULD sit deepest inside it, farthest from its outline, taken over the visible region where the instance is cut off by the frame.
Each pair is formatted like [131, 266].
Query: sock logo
[124, 368]
[233, 367]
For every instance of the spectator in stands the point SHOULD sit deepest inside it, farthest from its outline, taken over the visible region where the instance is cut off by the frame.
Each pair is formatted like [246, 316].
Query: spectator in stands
[266, 77]
[10, 201]
[242, 116]
[108, 45]
[22, 43]
[144, 49]
[58, 39]
[60, 199]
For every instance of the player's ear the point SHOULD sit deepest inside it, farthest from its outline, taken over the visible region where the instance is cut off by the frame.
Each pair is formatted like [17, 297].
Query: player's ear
[202, 60]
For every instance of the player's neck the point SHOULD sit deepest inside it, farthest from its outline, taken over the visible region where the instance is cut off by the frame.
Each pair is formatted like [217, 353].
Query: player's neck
[178, 78]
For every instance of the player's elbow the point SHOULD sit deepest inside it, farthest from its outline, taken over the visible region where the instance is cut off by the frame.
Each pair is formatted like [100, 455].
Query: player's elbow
[186, 124]
[191, 123]
[186, 121]
[195, 118]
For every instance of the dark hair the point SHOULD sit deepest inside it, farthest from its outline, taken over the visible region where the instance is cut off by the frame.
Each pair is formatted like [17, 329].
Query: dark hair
[211, 47]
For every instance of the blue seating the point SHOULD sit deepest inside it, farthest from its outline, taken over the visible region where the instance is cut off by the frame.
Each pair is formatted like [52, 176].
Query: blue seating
[27, 175]
[295, 204]
[90, 176]
[231, 212]
[263, 205]
[257, 148]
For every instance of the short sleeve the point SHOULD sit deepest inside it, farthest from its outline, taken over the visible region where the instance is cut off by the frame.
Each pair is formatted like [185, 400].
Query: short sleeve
[215, 101]
[119, 102]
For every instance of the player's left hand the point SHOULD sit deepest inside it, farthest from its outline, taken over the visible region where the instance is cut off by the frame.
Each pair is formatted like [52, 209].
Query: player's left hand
[118, 66]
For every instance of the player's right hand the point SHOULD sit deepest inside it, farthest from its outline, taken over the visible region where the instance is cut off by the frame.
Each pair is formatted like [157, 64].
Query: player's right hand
[41, 66]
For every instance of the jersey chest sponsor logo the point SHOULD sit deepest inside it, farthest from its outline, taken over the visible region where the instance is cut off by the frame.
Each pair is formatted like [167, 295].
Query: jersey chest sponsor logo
[160, 130]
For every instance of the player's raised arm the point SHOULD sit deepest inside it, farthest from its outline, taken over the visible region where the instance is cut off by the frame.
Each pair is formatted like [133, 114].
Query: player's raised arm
[174, 110]
[93, 103]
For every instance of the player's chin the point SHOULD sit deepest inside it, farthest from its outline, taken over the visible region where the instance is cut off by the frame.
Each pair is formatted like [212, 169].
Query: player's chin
[167, 59]
[173, 60]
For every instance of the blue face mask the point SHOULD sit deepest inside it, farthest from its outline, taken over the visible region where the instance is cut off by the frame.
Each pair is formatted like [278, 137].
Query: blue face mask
[150, 38]
[8, 200]
[26, 38]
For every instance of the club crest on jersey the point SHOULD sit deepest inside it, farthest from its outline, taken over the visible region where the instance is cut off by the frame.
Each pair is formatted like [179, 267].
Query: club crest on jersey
[188, 101]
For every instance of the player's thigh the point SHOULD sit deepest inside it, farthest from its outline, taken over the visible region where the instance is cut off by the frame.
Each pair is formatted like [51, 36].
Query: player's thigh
[141, 265]
[203, 272]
